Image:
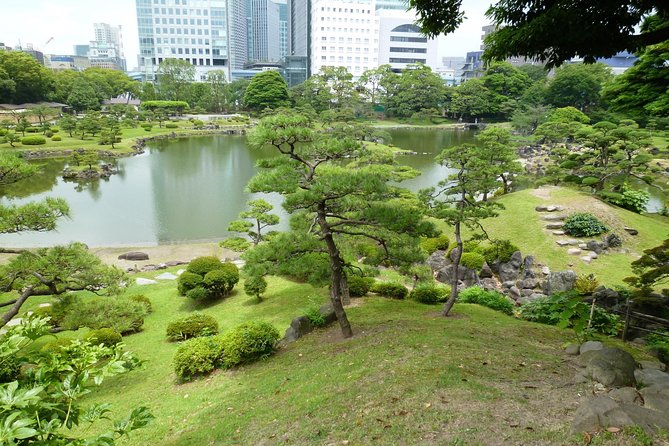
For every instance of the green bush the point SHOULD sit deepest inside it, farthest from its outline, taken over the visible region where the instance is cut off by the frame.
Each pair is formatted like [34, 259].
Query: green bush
[54, 129]
[202, 265]
[315, 316]
[237, 244]
[429, 293]
[48, 134]
[359, 286]
[142, 299]
[188, 281]
[62, 306]
[586, 285]
[171, 125]
[659, 344]
[35, 140]
[197, 293]
[433, 244]
[630, 199]
[32, 130]
[192, 326]
[197, 356]
[472, 260]
[490, 299]
[104, 336]
[9, 368]
[56, 138]
[584, 225]
[255, 286]
[501, 250]
[56, 345]
[248, 342]
[118, 313]
[44, 312]
[393, 290]
[219, 282]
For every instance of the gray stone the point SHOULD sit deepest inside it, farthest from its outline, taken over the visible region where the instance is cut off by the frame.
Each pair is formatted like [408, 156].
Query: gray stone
[559, 281]
[652, 377]
[328, 313]
[530, 283]
[143, 281]
[299, 326]
[612, 241]
[631, 231]
[625, 395]
[603, 293]
[648, 419]
[586, 259]
[166, 276]
[610, 366]
[558, 232]
[656, 397]
[508, 284]
[465, 275]
[438, 260]
[590, 416]
[526, 293]
[582, 246]
[545, 271]
[555, 225]
[554, 217]
[526, 268]
[541, 208]
[563, 242]
[595, 246]
[589, 346]
[175, 263]
[134, 255]
[553, 208]
[603, 412]
[485, 272]
[572, 349]
[14, 322]
[574, 251]
[510, 270]
[653, 365]
[592, 254]
[489, 284]
[514, 292]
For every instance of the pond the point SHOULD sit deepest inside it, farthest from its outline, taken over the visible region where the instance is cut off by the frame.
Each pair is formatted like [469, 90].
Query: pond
[181, 190]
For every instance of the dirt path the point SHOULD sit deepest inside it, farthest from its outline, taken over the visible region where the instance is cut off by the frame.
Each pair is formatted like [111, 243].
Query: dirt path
[163, 253]
[543, 192]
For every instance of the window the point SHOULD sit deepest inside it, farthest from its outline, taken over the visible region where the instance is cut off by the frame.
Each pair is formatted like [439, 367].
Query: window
[323, 58]
[394, 49]
[405, 60]
[408, 39]
[406, 28]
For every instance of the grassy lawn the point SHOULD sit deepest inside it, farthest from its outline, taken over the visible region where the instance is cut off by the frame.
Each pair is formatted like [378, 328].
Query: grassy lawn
[521, 224]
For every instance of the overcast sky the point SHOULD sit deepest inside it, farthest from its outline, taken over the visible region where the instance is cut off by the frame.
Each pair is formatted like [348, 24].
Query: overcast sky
[70, 22]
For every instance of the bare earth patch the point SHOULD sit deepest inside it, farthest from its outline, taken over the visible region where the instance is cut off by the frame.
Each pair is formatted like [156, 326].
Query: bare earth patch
[163, 253]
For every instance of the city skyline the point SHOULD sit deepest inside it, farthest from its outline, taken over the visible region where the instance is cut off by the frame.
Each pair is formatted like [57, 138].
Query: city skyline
[70, 22]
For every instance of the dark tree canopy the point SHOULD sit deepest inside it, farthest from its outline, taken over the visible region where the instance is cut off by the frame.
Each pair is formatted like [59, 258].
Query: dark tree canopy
[556, 30]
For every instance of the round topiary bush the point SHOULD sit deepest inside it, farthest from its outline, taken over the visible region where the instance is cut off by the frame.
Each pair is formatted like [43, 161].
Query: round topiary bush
[219, 282]
[433, 244]
[104, 336]
[192, 326]
[491, 299]
[394, 290]
[171, 125]
[56, 138]
[583, 224]
[34, 140]
[472, 260]
[142, 299]
[202, 265]
[9, 369]
[499, 250]
[428, 293]
[197, 356]
[359, 286]
[32, 130]
[198, 293]
[248, 342]
[188, 281]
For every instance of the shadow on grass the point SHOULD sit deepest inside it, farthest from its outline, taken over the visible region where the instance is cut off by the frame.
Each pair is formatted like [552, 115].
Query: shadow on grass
[203, 304]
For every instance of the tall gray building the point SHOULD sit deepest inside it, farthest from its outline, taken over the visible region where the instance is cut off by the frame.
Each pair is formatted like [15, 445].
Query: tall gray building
[283, 28]
[297, 61]
[239, 20]
[192, 30]
[265, 19]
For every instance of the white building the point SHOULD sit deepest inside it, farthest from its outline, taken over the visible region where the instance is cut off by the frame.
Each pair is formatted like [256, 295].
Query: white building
[401, 42]
[344, 34]
[106, 51]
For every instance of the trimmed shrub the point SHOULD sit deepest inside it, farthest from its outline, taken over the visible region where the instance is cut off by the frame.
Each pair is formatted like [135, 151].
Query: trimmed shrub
[32, 130]
[197, 356]
[394, 290]
[62, 306]
[56, 345]
[54, 129]
[237, 244]
[429, 293]
[9, 368]
[192, 326]
[315, 316]
[35, 140]
[359, 286]
[197, 293]
[202, 265]
[171, 125]
[56, 138]
[248, 342]
[501, 250]
[490, 299]
[104, 336]
[142, 299]
[219, 282]
[188, 281]
[433, 244]
[583, 225]
[472, 260]
[48, 134]
[118, 313]
[255, 286]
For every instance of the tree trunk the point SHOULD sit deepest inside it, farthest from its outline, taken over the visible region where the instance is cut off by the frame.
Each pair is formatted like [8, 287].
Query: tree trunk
[345, 295]
[456, 270]
[14, 310]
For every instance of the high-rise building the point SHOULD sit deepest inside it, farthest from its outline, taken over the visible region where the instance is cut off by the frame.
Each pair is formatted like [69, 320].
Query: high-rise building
[106, 51]
[265, 25]
[81, 50]
[196, 31]
[240, 30]
[283, 28]
[344, 34]
[401, 41]
[399, 5]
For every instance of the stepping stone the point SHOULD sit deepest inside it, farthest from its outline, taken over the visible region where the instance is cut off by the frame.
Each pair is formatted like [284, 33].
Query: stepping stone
[563, 242]
[545, 270]
[553, 217]
[631, 231]
[556, 225]
[583, 246]
[143, 281]
[166, 276]
[180, 272]
[239, 263]
[46, 304]
[14, 322]
[593, 255]
[553, 208]
[574, 251]
[541, 208]
[558, 232]
[586, 259]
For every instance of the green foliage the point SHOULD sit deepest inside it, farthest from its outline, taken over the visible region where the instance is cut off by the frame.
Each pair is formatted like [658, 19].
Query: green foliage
[660, 344]
[499, 250]
[429, 293]
[198, 293]
[630, 199]
[490, 299]
[56, 346]
[472, 260]
[313, 313]
[188, 281]
[248, 342]
[10, 367]
[192, 326]
[255, 286]
[237, 244]
[104, 336]
[652, 268]
[359, 286]
[198, 356]
[142, 299]
[219, 282]
[202, 265]
[586, 285]
[118, 313]
[35, 140]
[167, 106]
[171, 125]
[432, 244]
[267, 89]
[584, 225]
[56, 138]
[568, 114]
[394, 290]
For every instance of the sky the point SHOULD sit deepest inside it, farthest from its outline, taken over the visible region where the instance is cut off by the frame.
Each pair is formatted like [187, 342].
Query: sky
[70, 22]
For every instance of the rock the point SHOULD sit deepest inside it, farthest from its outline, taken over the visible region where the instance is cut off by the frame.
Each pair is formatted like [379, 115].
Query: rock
[327, 311]
[592, 254]
[610, 366]
[14, 322]
[485, 272]
[631, 231]
[589, 346]
[652, 365]
[299, 326]
[563, 242]
[526, 293]
[143, 281]
[180, 272]
[541, 208]
[625, 395]
[595, 246]
[545, 271]
[603, 412]
[652, 377]
[556, 225]
[150, 268]
[166, 276]
[438, 260]
[558, 232]
[554, 217]
[572, 349]
[514, 292]
[574, 251]
[508, 284]
[510, 270]
[612, 241]
[586, 259]
[590, 416]
[465, 275]
[553, 208]
[489, 284]
[238, 263]
[606, 294]
[530, 283]
[582, 246]
[134, 255]
[44, 305]
[175, 263]
[526, 268]
[656, 397]
[531, 297]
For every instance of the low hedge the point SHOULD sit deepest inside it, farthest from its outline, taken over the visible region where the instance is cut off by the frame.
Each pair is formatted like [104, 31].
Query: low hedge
[35, 140]
[192, 326]
[104, 336]
[429, 293]
[394, 290]
[490, 299]
[359, 286]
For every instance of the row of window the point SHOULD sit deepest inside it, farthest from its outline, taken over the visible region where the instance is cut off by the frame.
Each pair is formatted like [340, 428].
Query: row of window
[347, 10]
[176, 2]
[204, 51]
[408, 39]
[348, 49]
[172, 21]
[406, 60]
[345, 20]
[193, 31]
[348, 40]
[394, 49]
[347, 30]
[179, 11]
[194, 61]
[348, 59]
[180, 41]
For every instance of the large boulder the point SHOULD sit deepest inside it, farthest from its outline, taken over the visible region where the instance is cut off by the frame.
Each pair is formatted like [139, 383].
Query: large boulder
[559, 281]
[526, 270]
[438, 260]
[610, 366]
[603, 411]
[299, 326]
[467, 276]
[134, 255]
[511, 269]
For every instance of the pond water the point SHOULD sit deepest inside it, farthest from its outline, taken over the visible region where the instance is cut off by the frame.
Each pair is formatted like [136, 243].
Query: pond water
[186, 190]
[181, 190]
